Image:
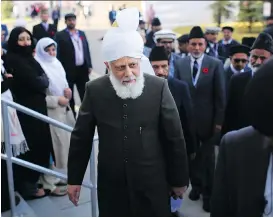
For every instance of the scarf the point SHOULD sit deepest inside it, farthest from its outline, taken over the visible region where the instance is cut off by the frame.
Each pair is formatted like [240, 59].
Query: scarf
[17, 139]
[52, 67]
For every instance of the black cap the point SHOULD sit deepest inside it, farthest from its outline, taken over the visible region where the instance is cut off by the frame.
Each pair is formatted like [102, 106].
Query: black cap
[70, 15]
[248, 41]
[228, 28]
[156, 22]
[158, 53]
[239, 49]
[259, 99]
[263, 41]
[196, 32]
[184, 38]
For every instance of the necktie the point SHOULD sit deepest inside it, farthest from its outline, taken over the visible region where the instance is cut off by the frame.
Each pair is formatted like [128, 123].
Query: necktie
[194, 69]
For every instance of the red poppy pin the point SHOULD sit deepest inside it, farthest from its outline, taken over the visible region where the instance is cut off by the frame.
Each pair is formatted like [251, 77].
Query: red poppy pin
[52, 33]
[205, 70]
[81, 37]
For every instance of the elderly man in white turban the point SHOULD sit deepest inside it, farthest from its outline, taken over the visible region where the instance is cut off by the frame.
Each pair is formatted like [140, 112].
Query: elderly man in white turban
[167, 39]
[142, 157]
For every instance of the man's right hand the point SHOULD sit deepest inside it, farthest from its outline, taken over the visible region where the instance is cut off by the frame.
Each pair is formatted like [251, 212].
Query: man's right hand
[63, 101]
[74, 193]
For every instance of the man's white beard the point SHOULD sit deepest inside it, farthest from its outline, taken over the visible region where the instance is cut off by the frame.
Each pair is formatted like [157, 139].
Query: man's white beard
[254, 69]
[130, 90]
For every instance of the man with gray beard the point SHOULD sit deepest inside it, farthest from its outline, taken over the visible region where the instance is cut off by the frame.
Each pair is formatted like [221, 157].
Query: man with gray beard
[205, 78]
[142, 157]
[261, 50]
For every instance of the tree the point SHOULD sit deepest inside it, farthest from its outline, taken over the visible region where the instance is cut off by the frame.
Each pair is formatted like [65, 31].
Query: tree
[6, 9]
[251, 11]
[222, 9]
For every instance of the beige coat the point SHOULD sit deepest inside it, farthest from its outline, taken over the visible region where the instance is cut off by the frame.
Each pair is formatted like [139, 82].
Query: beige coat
[60, 137]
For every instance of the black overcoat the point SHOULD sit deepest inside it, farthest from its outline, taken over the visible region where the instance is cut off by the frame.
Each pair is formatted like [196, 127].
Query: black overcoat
[141, 148]
[240, 175]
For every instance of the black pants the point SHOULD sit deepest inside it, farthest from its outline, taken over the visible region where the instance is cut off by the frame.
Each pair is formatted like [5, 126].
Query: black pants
[80, 78]
[202, 170]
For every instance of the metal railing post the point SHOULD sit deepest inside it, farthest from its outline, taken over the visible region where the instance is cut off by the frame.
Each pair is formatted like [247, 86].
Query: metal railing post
[9, 156]
[93, 178]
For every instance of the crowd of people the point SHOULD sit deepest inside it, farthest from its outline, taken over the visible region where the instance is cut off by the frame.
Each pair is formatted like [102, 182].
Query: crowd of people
[159, 116]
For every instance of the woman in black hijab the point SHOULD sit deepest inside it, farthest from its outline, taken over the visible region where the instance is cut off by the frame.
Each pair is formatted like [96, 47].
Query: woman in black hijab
[29, 89]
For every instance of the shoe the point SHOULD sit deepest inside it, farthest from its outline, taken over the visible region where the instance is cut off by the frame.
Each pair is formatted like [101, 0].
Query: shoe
[206, 205]
[194, 195]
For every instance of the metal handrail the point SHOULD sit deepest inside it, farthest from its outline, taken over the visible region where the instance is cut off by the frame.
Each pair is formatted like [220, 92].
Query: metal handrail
[10, 159]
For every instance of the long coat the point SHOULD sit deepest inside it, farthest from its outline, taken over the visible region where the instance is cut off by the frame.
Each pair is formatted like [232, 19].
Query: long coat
[234, 115]
[240, 175]
[182, 97]
[141, 148]
[208, 95]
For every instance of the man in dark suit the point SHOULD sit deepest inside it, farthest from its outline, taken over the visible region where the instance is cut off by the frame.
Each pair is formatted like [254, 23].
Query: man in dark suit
[227, 41]
[74, 54]
[167, 38]
[235, 118]
[183, 44]
[214, 49]
[205, 77]
[239, 55]
[244, 172]
[156, 26]
[269, 26]
[44, 29]
[181, 94]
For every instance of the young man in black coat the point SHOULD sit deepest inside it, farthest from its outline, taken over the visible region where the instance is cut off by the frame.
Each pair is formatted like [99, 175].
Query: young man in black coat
[244, 173]
[44, 29]
[235, 118]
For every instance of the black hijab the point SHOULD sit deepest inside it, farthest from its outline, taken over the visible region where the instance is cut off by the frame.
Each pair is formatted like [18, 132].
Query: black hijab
[13, 46]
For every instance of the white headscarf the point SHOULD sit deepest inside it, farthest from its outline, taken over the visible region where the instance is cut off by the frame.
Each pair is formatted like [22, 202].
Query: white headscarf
[52, 67]
[125, 41]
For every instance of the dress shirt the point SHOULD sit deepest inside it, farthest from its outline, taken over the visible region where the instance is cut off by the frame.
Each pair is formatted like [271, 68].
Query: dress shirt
[45, 25]
[236, 71]
[78, 47]
[199, 61]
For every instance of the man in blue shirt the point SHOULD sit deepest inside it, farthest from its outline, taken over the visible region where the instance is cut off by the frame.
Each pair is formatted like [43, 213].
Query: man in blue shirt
[112, 15]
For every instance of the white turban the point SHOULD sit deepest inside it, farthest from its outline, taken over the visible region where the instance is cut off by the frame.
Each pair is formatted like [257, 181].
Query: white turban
[125, 41]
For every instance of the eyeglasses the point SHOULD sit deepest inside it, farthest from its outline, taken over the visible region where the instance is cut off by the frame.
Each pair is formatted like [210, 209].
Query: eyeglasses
[237, 60]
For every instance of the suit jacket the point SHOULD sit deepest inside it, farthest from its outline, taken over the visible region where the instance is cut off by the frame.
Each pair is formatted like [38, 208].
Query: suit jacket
[240, 175]
[39, 31]
[181, 94]
[234, 115]
[141, 146]
[208, 96]
[220, 49]
[66, 52]
[226, 47]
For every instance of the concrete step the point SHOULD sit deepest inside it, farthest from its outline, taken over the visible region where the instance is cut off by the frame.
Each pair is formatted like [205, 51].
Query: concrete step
[44, 207]
[23, 209]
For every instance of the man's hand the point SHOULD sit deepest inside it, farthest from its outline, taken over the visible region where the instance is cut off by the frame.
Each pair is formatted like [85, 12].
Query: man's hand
[90, 70]
[192, 156]
[74, 193]
[177, 192]
[63, 101]
[68, 93]
[218, 128]
[7, 75]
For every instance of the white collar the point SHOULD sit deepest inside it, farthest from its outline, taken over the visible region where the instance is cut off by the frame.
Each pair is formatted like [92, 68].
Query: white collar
[236, 71]
[227, 42]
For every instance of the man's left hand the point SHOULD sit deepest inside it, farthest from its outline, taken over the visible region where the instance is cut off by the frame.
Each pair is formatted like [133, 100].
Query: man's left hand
[90, 70]
[177, 192]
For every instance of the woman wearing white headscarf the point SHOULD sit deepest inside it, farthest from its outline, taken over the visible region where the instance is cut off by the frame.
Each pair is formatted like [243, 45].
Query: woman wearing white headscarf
[58, 96]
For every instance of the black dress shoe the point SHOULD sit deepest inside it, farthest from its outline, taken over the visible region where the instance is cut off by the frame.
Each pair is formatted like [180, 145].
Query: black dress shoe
[206, 205]
[194, 195]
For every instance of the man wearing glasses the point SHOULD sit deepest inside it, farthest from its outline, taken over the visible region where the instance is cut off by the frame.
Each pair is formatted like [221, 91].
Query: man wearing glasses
[239, 56]
[167, 38]
[261, 50]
